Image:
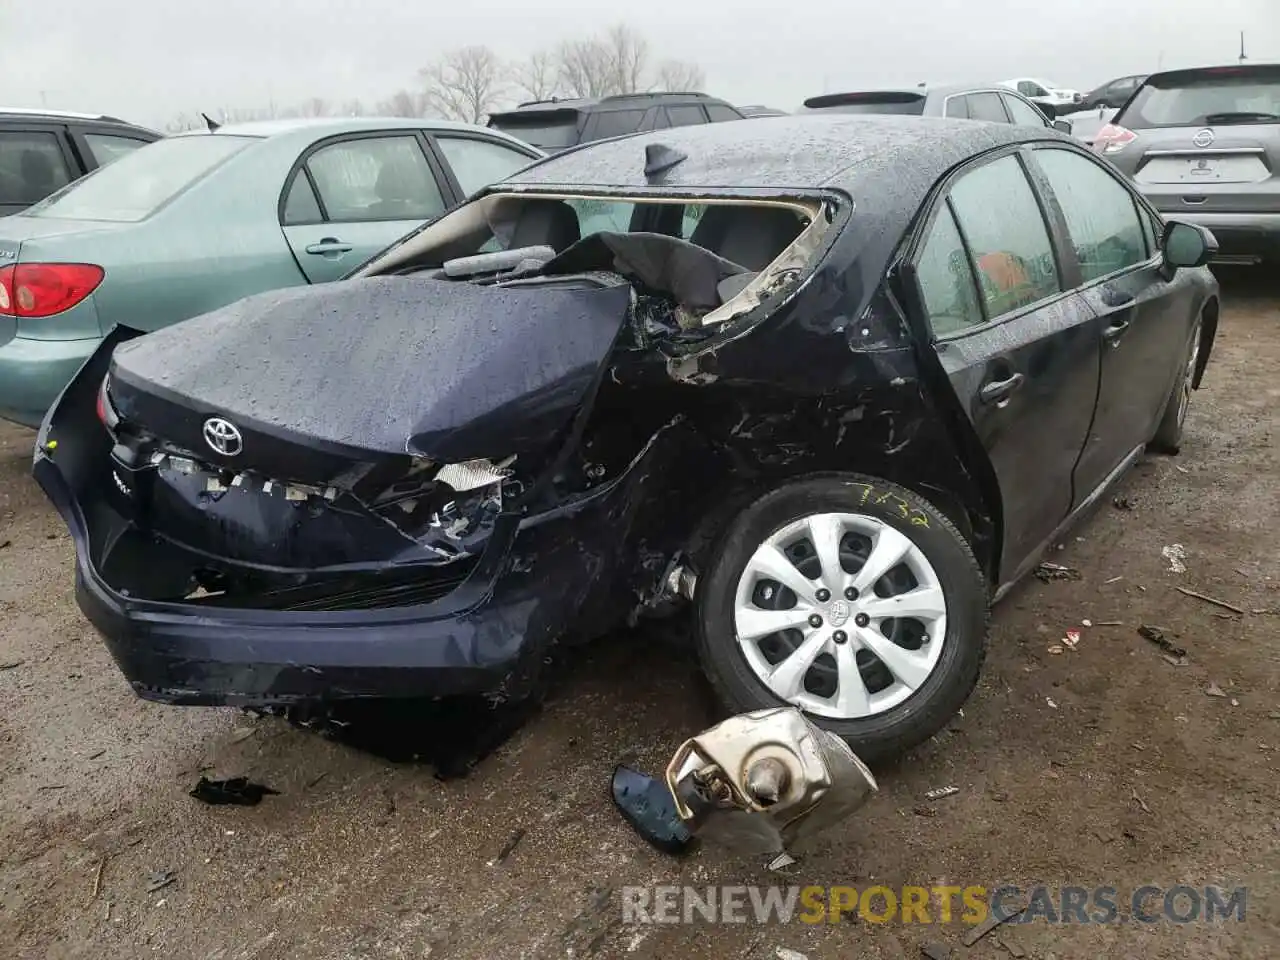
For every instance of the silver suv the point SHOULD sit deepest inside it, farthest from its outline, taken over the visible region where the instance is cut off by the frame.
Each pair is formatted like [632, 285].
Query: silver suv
[1203, 146]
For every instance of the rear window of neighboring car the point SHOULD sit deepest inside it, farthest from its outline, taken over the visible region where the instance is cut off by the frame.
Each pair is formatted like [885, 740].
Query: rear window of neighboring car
[553, 130]
[132, 187]
[31, 166]
[889, 102]
[1206, 98]
[108, 149]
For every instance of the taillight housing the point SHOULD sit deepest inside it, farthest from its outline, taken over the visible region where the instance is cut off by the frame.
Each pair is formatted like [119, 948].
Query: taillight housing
[1113, 138]
[44, 289]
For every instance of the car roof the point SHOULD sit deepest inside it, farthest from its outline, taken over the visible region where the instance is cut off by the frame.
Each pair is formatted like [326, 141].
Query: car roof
[796, 153]
[26, 113]
[316, 127]
[618, 101]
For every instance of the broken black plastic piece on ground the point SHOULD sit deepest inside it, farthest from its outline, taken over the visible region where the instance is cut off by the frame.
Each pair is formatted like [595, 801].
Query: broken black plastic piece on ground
[238, 790]
[648, 806]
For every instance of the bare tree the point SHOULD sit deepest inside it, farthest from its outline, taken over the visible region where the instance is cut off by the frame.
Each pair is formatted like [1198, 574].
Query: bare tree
[628, 58]
[680, 75]
[536, 76]
[464, 84]
[353, 108]
[402, 103]
[314, 107]
[582, 68]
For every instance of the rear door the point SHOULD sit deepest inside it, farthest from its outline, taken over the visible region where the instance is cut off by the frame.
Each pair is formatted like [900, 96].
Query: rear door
[1145, 319]
[349, 197]
[35, 160]
[1020, 348]
[1206, 142]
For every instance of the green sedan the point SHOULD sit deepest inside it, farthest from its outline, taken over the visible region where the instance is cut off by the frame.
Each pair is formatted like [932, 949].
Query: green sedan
[196, 221]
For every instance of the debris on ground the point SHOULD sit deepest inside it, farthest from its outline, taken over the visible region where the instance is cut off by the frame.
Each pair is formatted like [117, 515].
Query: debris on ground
[1086, 623]
[508, 848]
[1213, 690]
[239, 791]
[935, 951]
[986, 926]
[1113, 580]
[1047, 572]
[782, 953]
[1015, 951]
[5, 543]
[1156, 636]
[97, 879]
[782, 861]
[1213, 600]
[159, 879]
[1133, 795]
[647, 804]
[11, 665]
[1072, 639]
[1050, 702]
[1055, 648]
[1124, 503]
[244, 733]
[1110, 623]
[921, 810]
[1176, 554]
[941, 792]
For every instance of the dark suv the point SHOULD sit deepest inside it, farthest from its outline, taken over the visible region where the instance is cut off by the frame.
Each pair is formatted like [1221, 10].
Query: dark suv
[555, 125]
[42, 150]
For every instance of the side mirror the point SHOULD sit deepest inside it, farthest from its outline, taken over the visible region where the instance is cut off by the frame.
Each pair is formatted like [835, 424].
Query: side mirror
[1187, 244]
[1062, 126]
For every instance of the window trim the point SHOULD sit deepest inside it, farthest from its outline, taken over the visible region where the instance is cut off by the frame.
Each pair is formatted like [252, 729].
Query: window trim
[941, 194]
[437, 154]
[1051, 197]
[448, 190]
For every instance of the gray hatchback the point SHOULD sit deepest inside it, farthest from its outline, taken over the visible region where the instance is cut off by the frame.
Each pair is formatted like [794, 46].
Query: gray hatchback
[1203, 146]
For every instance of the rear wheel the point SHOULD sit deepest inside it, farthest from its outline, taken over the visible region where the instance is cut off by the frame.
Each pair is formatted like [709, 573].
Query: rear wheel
[1168, 438]
[853, 599]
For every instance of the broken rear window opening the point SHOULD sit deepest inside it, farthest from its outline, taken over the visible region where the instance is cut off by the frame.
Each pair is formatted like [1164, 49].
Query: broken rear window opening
[694, 263]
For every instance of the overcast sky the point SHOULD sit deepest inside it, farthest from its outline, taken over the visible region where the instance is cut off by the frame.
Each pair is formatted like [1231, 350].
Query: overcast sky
[148, 60]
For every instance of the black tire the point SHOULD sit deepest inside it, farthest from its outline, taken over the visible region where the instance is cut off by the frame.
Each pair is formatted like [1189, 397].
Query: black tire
[964, 586]
[1168, 438]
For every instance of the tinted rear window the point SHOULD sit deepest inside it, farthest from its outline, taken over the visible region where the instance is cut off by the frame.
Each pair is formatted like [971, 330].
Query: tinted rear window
[896, 103]
[552, 131]
[132, 187]
[1202, 98]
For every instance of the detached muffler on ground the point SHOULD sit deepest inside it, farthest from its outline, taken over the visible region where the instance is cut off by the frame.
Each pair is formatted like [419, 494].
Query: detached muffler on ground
[758, 783]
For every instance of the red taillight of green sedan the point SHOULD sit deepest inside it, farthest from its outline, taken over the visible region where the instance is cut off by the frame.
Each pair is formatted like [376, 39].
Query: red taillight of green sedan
[44, 289]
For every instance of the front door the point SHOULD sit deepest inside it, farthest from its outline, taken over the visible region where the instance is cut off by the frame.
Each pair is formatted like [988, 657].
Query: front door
[1142, 335]
[1020, 349]
[352, 197]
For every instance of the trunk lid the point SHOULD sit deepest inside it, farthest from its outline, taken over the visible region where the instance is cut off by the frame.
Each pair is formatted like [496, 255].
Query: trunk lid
[317, 381]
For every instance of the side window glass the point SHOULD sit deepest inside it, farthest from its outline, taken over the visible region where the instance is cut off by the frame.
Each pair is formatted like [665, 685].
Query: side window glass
[376, 178]
[616, 123]
[1101, 216]
[1007, 236]
[686, 116]
[986, 106]
[1026, 88]
[602, 216]
[107, 148]
[691, 218]
[31, 166]
[719, 113]
[946, 281]
[301, 206]
[1024, 114]
[958, 108]
[478, 163]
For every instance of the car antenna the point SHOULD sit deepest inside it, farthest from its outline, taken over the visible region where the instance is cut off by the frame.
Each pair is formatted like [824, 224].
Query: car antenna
[659, 158]
[210, 122]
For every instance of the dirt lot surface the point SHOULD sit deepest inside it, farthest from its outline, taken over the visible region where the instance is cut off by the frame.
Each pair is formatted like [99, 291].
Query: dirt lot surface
[1106, 765]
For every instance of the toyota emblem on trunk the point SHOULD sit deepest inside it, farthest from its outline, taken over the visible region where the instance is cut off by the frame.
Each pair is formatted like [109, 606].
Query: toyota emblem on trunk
[223, 437]
[1203, 138]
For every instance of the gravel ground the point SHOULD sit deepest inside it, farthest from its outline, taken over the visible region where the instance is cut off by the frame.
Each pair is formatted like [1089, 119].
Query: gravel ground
[1102, 766]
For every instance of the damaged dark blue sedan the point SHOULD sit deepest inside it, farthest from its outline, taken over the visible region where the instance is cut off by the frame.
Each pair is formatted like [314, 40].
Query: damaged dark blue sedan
[832, 382]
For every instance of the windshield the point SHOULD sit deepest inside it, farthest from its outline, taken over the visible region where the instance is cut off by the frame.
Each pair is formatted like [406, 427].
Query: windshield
[1208, 97]
[547, 131]
[134, 186]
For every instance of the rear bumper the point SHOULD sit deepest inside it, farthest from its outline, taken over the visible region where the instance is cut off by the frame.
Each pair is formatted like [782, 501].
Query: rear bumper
[1242, 237]
[538, 580]
[33, 373]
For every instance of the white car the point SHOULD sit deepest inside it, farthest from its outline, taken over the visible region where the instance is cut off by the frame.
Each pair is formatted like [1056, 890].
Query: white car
[1052, 98]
